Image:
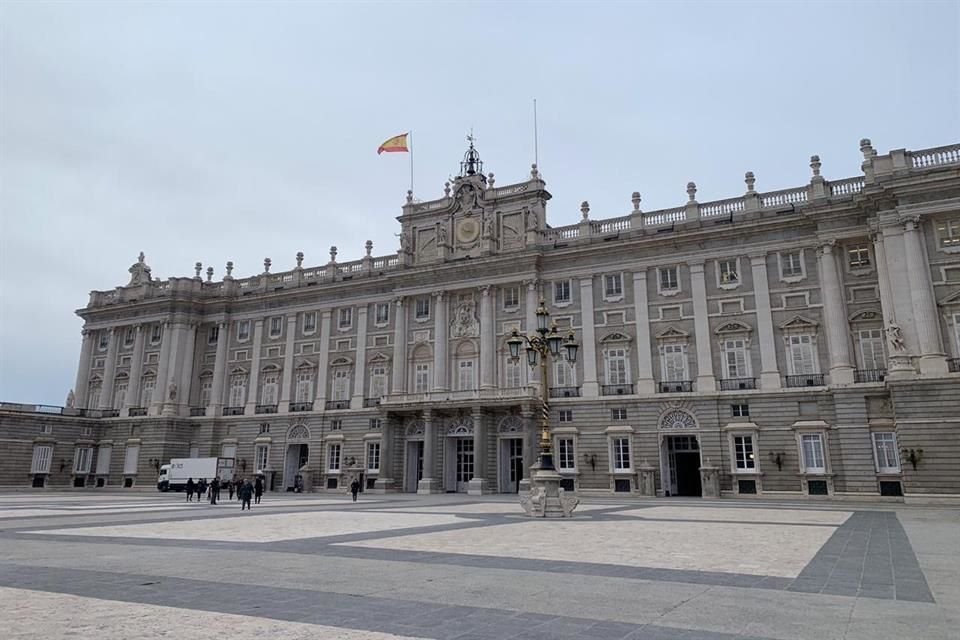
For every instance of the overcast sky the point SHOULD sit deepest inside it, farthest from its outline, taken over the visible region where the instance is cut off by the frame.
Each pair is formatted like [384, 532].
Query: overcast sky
[238, 131]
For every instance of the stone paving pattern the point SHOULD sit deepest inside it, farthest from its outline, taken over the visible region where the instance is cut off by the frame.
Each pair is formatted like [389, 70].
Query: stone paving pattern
[448, 567]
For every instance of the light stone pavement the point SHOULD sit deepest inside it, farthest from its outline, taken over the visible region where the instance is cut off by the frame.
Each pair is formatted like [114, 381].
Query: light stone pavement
[111, 566]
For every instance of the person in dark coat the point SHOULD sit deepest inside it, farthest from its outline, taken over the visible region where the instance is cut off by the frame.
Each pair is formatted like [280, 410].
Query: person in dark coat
[201, 489]
[244, 493]
[355, 488]
[230, 486]
[214, 490]
[191, 487]
[257, 489]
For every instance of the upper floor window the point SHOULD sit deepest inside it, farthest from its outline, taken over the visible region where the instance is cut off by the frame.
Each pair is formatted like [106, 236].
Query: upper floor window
[564, 374]
[948, 234]
[561, 292]
[512, 374]
[129, 336]
[511, 298]
[378, 381]
[243, 330]
[104, 340]
[618, 414]
[213, 334]
[801, 358]
[345, 318]
[268, 394]
[858, 256]
[668, 280]
[615, 366]
[341, 384]
[422, 309]
[421, 377]
[238, 389]
[566, 415]
[276, 327]
[336, 424]
[673, 362]
[728, 273]
[871, 348]
[304, 385]
[206, 387]
[740, 410]
[613, 285]
[310, 322]
[156, 332]
[791, 264]
[736, 361]
[465, 375]
[381, 313]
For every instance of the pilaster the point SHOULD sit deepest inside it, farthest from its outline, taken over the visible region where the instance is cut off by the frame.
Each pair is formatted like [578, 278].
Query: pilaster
[323, 361]
[360, 364]
[769, 373]
[641, 311]
[83, 369]
[399, 347]
[591, 387]
[109, 369]
[441, 341]
[834, 315]
[478, 483]
[932, 358]
[487, 339]
[285, 388]
[189, 361]
[428, 484]
[530, 322]
[136, 371]
[253, 388]
[166, 339]
[219, 369]
[698, 289]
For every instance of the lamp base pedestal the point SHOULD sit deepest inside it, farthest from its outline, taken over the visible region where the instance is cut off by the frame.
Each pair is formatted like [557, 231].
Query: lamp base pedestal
[546, 499]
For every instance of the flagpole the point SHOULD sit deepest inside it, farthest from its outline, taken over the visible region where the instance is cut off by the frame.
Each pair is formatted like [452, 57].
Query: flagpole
[536, 146]
[410, 136]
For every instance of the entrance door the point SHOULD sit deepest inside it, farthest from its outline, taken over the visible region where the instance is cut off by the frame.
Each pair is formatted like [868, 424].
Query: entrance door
[464, 463]
[684, 462]
[297, 456]
[511, 465]
[413, 465]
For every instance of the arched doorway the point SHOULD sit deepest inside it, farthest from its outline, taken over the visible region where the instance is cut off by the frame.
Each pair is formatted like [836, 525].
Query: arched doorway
[680, 454]
[413, 455]
[297, 454]
[458, 455]
[510, 435]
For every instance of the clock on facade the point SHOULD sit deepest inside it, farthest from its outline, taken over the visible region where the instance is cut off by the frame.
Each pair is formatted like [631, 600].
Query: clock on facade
[467, 230]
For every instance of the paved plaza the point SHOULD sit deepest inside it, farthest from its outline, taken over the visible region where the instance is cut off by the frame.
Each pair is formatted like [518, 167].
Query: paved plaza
[117, 566]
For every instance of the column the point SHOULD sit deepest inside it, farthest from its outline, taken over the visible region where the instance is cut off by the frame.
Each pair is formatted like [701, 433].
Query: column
[533, 301]
[932, 358]
[384, 481]
[591, 388]
[895, 256]
[399, 347]
[429, 484]
[323, 361]
[883, 278]
[285, 389]
[478, 483]
[219, 369]
[529, 447]
[769, 373]
[834, 316]
[488, 349]
[166, 339]
[440, 342]
[136, 372]
[83, 369]
[253, 381]
[701, 323]
[360, 365]
[170, 375]
[189, 359]
[641, 312]
[110, 368]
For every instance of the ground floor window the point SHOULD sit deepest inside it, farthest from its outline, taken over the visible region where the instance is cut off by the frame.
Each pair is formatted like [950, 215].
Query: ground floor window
[103, 459]
[42, 456]
[885, 449]
[620, 453]
[373, 456]
[82, 460]
[566, 454]
[132, 459]
[813, 457]
[743, 455]
[261, 457]
[333, 457]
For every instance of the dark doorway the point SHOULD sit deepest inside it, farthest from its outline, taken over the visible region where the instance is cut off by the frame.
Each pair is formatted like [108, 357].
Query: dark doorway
[688, 473]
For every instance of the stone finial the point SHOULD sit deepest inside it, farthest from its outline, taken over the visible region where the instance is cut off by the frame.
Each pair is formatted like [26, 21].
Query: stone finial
[585, 209]
[198, 267]
[266, 265]
[446, 189]
[534, 172]
[229, 269]
[409, 196]
[815, 166]
[369, 247]
[866, 148]
[141, 258]
[635, 199]
[750, 180]
[209, 274]
[490, 178]
[692, 191]
[333, 254]
[299, 259]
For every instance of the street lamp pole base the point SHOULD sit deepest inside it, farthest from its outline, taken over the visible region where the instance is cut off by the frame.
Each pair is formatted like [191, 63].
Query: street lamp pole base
[546, 499]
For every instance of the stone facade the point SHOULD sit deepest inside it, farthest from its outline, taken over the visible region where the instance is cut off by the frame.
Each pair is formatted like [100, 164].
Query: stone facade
[797, 342]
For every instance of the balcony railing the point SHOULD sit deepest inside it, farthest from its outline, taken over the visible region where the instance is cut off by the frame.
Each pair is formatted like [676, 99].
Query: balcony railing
[616, 390]
[869, 375]
[110, 413]
[136, 412]
[371, 402]
[301, 406]
[953, 365]
[564, 392]
[233, 411]
[679, 386]
[736, 384]
[197, 412]
[265, 408]
[805, 380]
[338, 404]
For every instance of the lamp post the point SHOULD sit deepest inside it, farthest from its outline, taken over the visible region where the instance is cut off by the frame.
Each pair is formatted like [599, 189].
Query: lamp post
[545, 499]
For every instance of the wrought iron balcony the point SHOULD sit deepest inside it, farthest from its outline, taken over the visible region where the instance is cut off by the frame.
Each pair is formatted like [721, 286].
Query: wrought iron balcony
[301, 406]
[265, 408]
[197, 412]
[736, 384]
[338, 404]
[136, 412]
[805, 380]
[233, 411]
[616, 390]
[110, 413]
[564, 392]
[869, 375]
[371, 402]
[953, 365]
[676, 386]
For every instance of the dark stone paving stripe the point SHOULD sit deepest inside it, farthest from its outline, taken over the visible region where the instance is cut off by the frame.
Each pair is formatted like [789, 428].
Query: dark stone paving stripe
[368, 613]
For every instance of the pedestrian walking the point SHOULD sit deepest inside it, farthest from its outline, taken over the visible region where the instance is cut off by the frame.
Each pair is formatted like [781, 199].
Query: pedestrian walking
[201, 489]
[355, 488]
[244, 493]
[214, 490]
[191, 487]
[230, 487]
[257, 489]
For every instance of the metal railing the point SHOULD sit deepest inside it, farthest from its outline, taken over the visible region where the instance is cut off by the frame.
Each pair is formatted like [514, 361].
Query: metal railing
[137, 412]
[953, 365]
[265, 408]
[300, 406]
[616, 390]
[736, 384]
[869, 375]
[677, 386]
[338, 404]
[564, 392]
[805, 380]
[110, 413]
[198, 412]
[371, 402]
[233, 411]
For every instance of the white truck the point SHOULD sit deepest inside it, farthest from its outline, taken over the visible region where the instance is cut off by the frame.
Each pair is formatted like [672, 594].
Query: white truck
[174, 476]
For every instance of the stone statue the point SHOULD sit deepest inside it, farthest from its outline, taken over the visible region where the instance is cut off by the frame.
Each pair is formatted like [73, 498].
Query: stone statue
[405, 242]
[71, 399]
[487, 230]
[442, 234]
[895, 337]
[139, 271]
[532, 221]
[465, 323]
[172, 391]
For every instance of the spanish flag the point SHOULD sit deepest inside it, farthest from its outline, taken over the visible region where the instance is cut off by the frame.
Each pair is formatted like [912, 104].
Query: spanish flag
[394, 144]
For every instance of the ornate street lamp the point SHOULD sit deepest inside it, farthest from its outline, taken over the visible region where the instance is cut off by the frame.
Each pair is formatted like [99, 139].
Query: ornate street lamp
[545, 499]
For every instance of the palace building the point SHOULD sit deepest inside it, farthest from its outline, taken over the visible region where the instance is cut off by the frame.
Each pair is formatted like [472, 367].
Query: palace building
[790, 343]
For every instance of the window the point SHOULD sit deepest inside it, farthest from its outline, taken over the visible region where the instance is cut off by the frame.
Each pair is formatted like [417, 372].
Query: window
[373, 456]
[378, 381]
[566, 455]
[512, 374]
[336, 424]
[740, 410]
[800, 357]
[564, 374]
[243, 330]
[156, 332]
[561, 292]
[333, 457]
[46, 429]
[618, 414]
[129, 337]
[146, 390]
[103, 459]
[104, 340]
[791, 264]
[613, 285]
[381, 313]
[268, 394]
[421, 309]
[885, 449]
[566, 415]
[812, 450]
[421, 380]
[42, 456]
[728, 272]
[743, 453]
[345, 318]
[261, 457]
[668, 280]
[465, 375]
[871, 348]
[132, 459]
[376, 424]
[264, 427]
[615, 365]
[511, 298]
[93, 394]
[309, 322]
[673, 362]
[119, 394]
[948, 234]
[621, 454]
[341, 384]
[238, 389]
[206, 387]
[858, 256]
[276, 327]
[736, 364]
[213, 334]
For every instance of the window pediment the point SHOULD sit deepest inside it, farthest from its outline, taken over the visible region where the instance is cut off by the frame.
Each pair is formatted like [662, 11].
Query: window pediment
[305, 364]
[462, 426]
[673, 334]
[416, 427]
[952, 299]
[298, 432]
[799, 324]
[511, 424]
[269, 368]
[615, 336]
[867, 315]
[729, 328]
[379, 358]
[341, 362]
